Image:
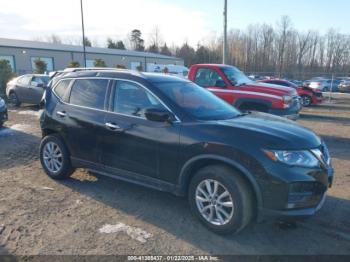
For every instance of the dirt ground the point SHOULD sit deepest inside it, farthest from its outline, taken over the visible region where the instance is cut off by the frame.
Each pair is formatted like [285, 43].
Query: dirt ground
[97, 215]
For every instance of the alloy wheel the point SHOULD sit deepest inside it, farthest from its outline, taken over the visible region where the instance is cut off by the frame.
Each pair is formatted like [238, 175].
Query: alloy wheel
[306, 100]
[53, 157]
[214, 202]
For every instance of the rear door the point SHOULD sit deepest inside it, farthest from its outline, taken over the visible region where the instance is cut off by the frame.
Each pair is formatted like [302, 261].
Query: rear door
[83, 116]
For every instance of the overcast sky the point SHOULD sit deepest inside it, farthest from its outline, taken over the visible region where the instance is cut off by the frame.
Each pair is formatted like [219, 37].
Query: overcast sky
[177, 20]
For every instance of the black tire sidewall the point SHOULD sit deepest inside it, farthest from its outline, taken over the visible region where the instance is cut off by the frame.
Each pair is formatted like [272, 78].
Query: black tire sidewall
[234, 185]
[66, 169]
[310, 100]
[17, 103]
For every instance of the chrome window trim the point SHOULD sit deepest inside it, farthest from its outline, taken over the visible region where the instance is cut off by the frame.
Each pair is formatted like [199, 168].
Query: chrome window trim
[110, 78]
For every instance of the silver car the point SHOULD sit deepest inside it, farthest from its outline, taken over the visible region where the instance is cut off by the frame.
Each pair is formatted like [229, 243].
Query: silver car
[325, 85]
[26, 89]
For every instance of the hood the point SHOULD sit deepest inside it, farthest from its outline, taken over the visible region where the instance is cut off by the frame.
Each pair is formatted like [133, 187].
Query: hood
[273, 132]
[269, 89]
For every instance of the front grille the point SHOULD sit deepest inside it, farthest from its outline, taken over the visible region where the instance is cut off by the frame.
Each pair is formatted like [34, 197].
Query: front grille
[305, 194]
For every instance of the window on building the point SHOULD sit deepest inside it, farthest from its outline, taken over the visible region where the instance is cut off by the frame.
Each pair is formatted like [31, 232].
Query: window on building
[90, 63]
[89, 93]
[47, 60]
[135, 65]
[10, 59]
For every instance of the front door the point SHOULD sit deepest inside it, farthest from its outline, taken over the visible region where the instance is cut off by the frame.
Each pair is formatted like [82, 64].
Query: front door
[130, 141]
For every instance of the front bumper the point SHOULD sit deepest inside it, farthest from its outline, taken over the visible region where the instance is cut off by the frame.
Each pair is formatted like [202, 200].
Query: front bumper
[3, 115]
[295, 192]
[291, 113]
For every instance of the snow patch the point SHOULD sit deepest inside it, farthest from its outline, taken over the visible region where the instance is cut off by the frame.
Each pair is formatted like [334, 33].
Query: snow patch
[12, 129]
[31, 113]
[20, 127]
[133, 232]
[5, 131]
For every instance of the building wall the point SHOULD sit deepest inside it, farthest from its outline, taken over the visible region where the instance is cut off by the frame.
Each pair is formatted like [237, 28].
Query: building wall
[23, 63]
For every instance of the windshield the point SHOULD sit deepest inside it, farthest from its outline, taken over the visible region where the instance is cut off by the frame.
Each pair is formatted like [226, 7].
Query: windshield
[235, 76]
[197, 101]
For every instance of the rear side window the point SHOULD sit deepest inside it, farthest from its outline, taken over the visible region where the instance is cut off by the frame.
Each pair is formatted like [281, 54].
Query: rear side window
[89, 93]
[24, 80]
[61, 89]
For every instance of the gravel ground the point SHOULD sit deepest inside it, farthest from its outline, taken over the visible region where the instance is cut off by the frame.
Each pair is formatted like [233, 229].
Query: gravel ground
[90, 214]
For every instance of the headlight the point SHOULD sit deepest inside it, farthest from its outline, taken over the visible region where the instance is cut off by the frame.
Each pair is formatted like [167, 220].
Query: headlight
[293, 158]
[2, 102]
[287, 100]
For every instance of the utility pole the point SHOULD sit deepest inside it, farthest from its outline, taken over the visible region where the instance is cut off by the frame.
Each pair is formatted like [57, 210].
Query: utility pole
[83, 29]
[224, 54]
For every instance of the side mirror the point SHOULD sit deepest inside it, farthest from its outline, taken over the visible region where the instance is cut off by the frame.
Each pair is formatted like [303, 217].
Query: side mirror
[40, 85]
[158, 115]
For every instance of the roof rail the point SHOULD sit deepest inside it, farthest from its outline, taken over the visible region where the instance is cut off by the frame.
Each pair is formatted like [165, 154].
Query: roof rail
[77, 69]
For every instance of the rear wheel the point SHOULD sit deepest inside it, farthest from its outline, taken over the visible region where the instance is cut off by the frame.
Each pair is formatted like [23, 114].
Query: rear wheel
[306, 100]
[55, 158]
[13, 99]
[221, 199]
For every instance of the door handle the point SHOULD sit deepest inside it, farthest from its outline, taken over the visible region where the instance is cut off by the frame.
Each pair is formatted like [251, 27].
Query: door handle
[113, 127]
[61, 113]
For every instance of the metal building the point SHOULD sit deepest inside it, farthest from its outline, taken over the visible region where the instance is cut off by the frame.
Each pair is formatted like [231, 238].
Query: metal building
[21, 54]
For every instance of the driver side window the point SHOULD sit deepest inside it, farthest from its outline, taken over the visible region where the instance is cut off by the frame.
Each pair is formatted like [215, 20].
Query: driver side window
[133, 100]
[208, 78]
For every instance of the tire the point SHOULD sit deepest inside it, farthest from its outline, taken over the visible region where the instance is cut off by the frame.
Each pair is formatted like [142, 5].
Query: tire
[13, 99]
[65, 168]
[306, 100]
[240, 194]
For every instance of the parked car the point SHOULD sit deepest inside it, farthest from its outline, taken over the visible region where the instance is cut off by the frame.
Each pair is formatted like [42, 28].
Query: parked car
[308, 96]
[344, 86]
[297, 82]
[325, 85]
[26, 89]
[233, 86]
[169, 134]
[3, 112]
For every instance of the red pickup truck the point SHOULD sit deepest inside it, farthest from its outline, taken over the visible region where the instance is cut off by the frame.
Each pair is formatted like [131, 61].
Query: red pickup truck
[233, 86]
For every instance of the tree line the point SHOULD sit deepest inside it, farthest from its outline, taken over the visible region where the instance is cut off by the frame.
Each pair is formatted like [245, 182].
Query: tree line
[279, 50]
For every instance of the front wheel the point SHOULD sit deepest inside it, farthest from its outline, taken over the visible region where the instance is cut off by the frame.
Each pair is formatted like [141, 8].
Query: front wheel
[54, 157]
[306, 100]
[221, 199]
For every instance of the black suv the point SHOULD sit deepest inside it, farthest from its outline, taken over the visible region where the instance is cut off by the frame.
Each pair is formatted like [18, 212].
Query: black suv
[169, 134]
